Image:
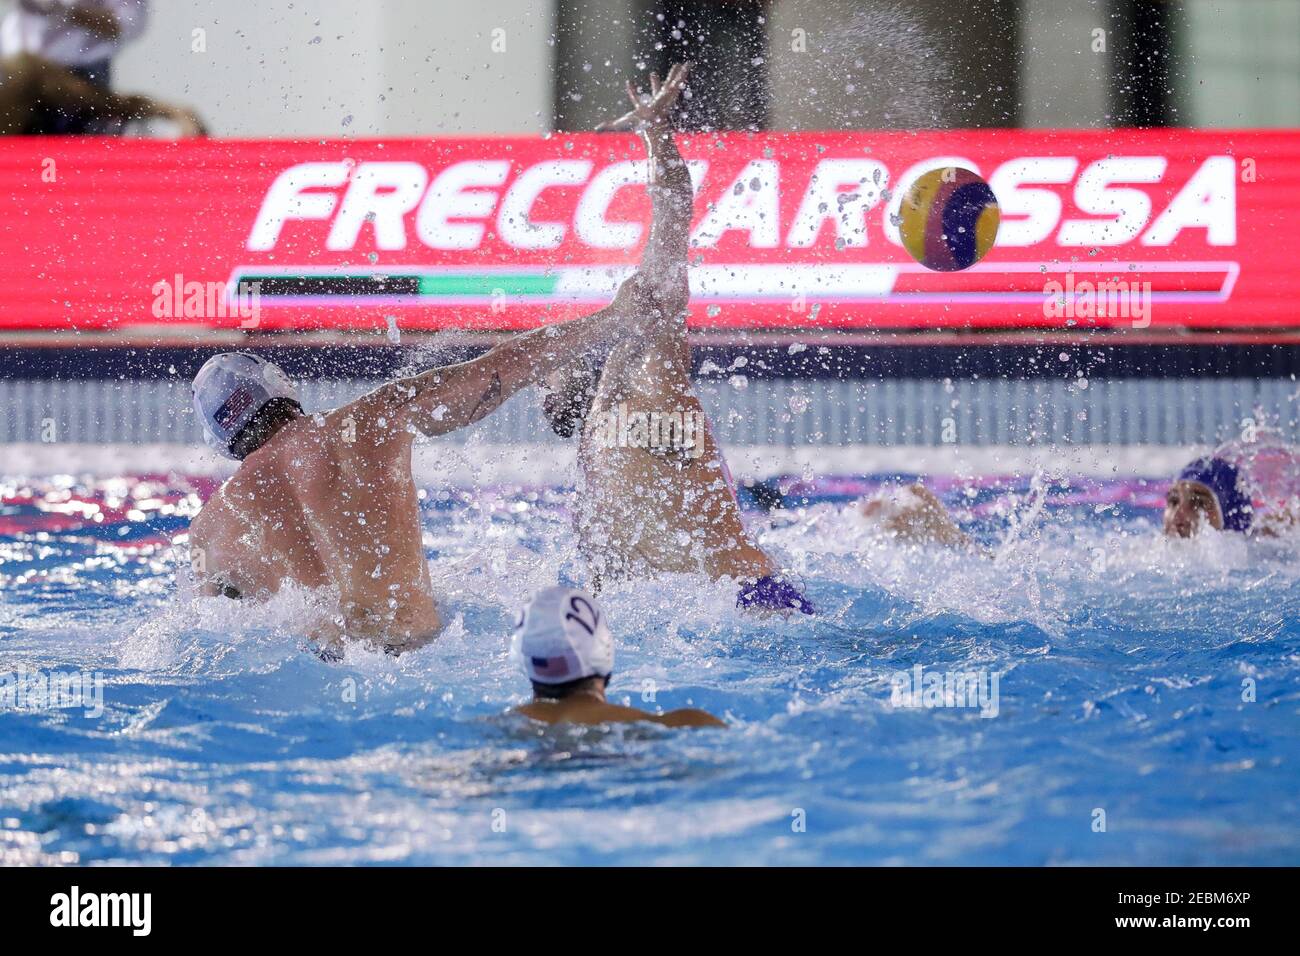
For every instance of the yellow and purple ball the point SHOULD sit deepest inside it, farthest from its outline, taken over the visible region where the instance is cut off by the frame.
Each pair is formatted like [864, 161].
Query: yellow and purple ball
[949, 219]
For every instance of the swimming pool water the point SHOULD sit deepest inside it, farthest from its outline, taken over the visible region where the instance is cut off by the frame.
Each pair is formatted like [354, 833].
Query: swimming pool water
[1126, 667]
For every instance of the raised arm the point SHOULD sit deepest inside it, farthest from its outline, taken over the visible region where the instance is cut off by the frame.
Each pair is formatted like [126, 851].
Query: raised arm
[663, 270]
[444, 399]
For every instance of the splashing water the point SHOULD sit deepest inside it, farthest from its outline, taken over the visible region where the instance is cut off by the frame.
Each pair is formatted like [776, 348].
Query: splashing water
[1158, 684]
[892, 70]
[1269, 469]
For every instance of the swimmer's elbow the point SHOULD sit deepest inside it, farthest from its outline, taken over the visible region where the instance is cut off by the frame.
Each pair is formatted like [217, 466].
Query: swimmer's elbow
[653, 295]
[665, 294]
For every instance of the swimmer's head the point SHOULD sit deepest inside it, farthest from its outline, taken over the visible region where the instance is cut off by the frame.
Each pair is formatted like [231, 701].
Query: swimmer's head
[563, 643]
[241, 399]
[1206, 491]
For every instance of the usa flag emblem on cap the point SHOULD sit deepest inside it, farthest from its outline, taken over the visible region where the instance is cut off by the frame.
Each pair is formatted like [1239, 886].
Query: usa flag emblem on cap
[238, 403]
[550, 666]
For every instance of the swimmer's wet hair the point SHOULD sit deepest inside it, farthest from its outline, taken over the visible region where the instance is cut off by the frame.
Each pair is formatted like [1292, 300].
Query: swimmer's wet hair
[263, 425]
[561, 691]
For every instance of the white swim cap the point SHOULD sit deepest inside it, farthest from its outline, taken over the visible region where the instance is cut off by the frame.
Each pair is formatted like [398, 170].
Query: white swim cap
[230, 389]
[561, 636]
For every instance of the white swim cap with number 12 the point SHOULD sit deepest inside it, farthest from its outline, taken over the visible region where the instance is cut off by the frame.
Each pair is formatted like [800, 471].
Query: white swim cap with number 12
[561, 636]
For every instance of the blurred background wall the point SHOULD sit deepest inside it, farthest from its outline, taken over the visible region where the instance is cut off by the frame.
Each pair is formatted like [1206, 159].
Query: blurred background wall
[414, 67]
[341, 67]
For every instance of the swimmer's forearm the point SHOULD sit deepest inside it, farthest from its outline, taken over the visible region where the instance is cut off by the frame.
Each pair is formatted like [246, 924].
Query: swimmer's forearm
[444, 399]
[667, 168]
[673, 200]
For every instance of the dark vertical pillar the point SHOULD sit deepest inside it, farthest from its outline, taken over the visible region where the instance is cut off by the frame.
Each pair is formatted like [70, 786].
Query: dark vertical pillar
[593, 55]
[884, 64]
[1144, 49]
[982, 37]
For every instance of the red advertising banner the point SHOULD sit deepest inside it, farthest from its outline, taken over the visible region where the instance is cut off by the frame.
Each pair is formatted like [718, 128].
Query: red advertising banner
[1107, 228]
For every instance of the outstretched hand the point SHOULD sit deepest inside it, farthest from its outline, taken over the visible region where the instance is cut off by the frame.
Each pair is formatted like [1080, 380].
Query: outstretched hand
[651, 112]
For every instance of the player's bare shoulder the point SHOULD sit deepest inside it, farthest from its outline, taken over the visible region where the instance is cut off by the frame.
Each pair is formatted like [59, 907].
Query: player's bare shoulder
[369, 430]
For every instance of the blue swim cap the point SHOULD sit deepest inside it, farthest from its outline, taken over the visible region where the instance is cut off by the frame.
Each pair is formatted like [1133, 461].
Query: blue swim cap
[1222, 480]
